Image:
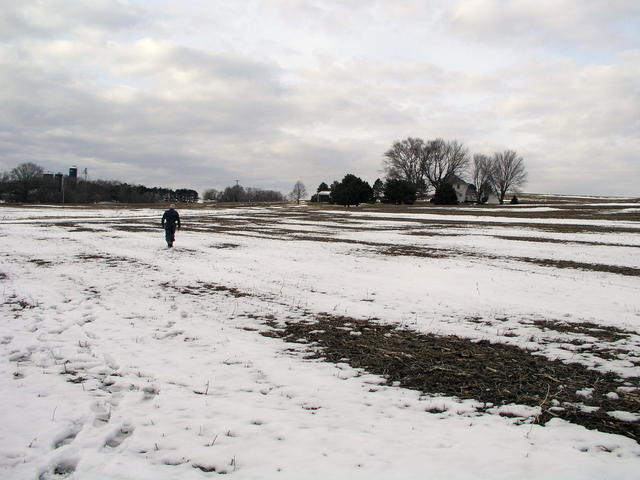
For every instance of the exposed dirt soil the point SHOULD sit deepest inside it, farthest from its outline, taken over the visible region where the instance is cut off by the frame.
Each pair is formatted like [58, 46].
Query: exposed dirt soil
[494, 374]
[224, 246]
[407, 250]
[593, 267]
[86, 229]
[564, 242]
[413, 251]
[113, 261]
[40, 262]
[137, 228]
[18, 304]
[607, 334]
[591, 211]
[203, 288]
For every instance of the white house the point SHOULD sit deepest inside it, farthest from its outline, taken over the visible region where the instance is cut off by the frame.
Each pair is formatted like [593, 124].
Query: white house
[466, 192]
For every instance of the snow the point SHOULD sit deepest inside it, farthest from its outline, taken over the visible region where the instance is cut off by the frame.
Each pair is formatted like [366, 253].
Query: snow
[491, 219]
[510, 208]
[625, 416]
[118, 359]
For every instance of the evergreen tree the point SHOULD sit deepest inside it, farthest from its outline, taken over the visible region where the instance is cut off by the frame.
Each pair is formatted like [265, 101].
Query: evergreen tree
[351, 191]
[445, 195]
[399, 191]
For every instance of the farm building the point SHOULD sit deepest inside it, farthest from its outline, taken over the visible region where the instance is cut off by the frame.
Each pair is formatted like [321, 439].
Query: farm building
[324, 196]
[466, 192]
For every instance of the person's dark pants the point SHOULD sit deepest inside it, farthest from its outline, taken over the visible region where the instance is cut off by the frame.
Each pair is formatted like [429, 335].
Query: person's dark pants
[170, 234]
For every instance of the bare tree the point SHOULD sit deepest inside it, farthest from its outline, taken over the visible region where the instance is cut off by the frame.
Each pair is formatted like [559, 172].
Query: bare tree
[404, 161]
[235, 193]
[260, 195]
[482, 176]
[444, 160]
[299, 191]
[26, 176]
[5, 185]
[508, 172]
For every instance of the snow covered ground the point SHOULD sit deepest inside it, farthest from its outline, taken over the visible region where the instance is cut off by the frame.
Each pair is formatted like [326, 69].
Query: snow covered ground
[122, 359]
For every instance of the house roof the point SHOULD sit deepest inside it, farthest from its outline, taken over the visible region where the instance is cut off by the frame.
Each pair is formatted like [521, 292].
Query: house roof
[456, 180]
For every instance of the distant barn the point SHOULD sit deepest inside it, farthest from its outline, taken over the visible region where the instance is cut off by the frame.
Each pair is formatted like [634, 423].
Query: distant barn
[324, 196]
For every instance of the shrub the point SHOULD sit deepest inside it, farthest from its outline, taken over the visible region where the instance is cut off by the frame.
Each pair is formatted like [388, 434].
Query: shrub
[445, 195]
[399, 191]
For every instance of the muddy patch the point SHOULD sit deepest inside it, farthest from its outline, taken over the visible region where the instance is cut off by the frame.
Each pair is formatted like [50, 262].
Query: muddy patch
[86, 229]
[414, 251]
[591, 267]
[16, 303]
[40, 262]
[224, 246]
[411, 251]
[137, 228]
[113, 261]
[565, 242]
[494, 374]
[205, 288]
[108, 259]
[604, 333]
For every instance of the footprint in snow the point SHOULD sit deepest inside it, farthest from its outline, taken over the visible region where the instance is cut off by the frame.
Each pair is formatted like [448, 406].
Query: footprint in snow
[66, 436]
[169, 334]
[150, 391]
[19, 356]
[86, 318]
[61, 467]
[118, 436]
[102, 414]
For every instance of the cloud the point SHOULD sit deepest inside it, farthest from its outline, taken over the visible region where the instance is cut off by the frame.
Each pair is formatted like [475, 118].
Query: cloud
[272, 92]
[50, 18]
[592, 22]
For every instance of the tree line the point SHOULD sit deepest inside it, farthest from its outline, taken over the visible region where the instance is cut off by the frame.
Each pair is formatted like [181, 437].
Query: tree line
[238, 193]
[414, 168]
[28, 183]
[353, 190]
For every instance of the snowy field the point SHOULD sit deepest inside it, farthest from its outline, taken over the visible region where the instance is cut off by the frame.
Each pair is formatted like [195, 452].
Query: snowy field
[122, 359]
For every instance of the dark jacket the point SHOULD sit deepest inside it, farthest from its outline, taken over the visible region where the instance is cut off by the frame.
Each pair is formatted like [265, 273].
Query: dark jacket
[170, 219]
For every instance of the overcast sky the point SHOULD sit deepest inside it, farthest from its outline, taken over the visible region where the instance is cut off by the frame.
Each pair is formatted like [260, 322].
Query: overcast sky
[198, 94]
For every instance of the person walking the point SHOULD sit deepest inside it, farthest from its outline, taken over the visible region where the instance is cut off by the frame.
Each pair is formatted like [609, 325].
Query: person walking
[170, 221]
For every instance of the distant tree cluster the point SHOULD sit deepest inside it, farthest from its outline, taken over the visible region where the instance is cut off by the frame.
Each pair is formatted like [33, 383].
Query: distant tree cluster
[415, 167]
[238, 193]
[28, 183]
[352, 190]
[435, 165]
[399, 191]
